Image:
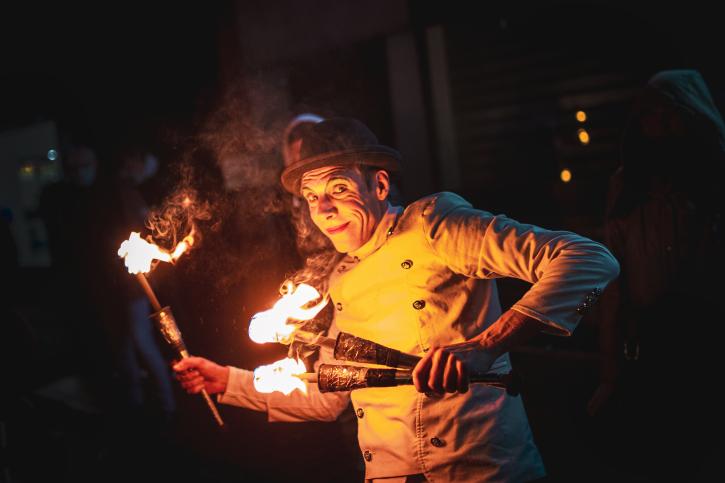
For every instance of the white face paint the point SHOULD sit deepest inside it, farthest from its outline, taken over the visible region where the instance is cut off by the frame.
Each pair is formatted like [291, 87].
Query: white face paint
[342, 205]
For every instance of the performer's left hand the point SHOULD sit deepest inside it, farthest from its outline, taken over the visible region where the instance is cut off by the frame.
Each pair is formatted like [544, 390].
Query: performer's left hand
[447, 368]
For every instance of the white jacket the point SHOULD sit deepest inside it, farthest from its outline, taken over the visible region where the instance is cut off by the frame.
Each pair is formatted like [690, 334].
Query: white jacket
[426, 278]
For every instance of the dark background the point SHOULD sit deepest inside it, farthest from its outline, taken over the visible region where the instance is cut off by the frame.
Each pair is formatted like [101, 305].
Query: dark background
[480, 101]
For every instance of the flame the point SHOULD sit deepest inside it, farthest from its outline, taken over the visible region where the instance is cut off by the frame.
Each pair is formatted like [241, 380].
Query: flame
[183, 245]
[271, 325]
[280, 376]
[138, 254]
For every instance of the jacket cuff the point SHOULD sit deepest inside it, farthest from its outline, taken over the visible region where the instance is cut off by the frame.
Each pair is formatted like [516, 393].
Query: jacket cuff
[552, 327]
[240, 391]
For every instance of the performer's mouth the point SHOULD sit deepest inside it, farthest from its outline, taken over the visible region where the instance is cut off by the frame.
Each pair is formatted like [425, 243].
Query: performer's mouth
[337, 229]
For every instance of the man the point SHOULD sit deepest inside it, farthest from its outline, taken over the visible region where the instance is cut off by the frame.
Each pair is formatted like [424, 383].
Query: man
[421, 280]
[665, 225]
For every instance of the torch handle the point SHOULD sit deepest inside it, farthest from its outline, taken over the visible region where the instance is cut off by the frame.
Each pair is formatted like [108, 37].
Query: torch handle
[171, 333]
[356, 349]
[347, 347]
[333, 378]
[207, 398]
[213, 408]
[508, 381]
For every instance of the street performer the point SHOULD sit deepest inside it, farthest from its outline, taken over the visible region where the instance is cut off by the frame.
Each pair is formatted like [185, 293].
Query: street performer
[421, 279]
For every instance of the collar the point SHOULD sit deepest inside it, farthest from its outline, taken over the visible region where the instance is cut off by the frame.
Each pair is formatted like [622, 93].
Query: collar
[380, 235]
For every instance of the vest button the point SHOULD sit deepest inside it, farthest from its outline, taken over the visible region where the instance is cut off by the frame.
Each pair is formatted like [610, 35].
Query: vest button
[418, 304]
[407, 264]
[338, 306]
[367, 455]
[360, 413]
[437, 442]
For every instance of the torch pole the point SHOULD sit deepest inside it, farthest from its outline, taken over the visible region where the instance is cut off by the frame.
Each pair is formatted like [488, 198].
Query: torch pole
[149, 291]
[173, 336]
[207, 398]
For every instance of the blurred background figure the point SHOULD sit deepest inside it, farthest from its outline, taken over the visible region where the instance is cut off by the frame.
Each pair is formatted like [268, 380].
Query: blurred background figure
[70, 210]
[309, 240]
[18, 340]
[136, 350]
[293, 134]
[66, 208]
[8, 263]
[661, 335]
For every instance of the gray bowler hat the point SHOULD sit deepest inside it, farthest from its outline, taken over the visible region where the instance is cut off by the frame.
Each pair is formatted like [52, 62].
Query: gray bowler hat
[339, 142]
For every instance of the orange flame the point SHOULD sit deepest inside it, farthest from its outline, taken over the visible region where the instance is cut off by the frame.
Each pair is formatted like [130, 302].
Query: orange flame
[138, 254]
[272, 326]
[280, 376]
[183, 245]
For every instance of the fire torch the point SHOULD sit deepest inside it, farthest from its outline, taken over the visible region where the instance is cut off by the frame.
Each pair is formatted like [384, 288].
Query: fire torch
[272, 326]
[138, 255]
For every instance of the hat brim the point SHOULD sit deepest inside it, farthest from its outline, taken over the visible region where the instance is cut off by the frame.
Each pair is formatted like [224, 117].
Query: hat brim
[379, 156]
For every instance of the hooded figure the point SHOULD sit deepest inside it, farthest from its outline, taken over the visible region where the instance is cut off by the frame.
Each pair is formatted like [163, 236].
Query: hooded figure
[659, 331]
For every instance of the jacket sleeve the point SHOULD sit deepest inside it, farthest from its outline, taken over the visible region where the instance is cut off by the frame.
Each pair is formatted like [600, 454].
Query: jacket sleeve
[568, 272]
[294, 407]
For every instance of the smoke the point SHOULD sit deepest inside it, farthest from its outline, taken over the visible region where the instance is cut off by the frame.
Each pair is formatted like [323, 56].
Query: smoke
[224, 184]
[250, 235]
[244, 132]
[179, 214]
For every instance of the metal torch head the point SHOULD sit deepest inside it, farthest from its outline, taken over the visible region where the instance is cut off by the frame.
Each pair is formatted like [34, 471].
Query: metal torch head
[164, 320]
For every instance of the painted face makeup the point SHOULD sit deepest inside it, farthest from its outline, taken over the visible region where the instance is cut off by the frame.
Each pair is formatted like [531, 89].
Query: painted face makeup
[342, 205]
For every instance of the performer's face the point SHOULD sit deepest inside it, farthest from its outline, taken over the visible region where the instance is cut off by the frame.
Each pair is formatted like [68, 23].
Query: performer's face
[344, 205]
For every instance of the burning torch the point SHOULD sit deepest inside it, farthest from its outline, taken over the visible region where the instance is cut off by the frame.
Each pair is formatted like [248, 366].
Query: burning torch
[272, 326]
[334, 377]
[138, 255]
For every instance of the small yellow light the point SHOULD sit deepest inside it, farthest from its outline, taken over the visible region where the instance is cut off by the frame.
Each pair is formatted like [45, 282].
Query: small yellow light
[583, 136]
[27, 170]
[565, 175]
[581, 116]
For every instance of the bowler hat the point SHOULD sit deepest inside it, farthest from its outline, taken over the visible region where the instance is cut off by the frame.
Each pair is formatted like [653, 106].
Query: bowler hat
[338, 142]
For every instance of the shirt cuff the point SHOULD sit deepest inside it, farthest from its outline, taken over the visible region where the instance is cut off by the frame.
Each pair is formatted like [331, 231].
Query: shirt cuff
[240, 391]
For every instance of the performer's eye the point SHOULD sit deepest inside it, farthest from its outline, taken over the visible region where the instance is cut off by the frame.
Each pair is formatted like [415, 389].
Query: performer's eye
[339, 188]
[311, 198]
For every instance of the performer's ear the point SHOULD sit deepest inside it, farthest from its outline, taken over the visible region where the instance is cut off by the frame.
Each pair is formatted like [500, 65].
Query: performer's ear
[382, 184]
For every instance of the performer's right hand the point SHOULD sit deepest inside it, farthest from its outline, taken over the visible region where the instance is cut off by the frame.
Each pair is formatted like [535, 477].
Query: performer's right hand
[197, 373]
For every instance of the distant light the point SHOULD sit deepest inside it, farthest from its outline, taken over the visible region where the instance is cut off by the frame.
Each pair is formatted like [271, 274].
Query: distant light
[581, 116]
[27, 171]
[583, 136]
[52, 154]
[565, 175]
